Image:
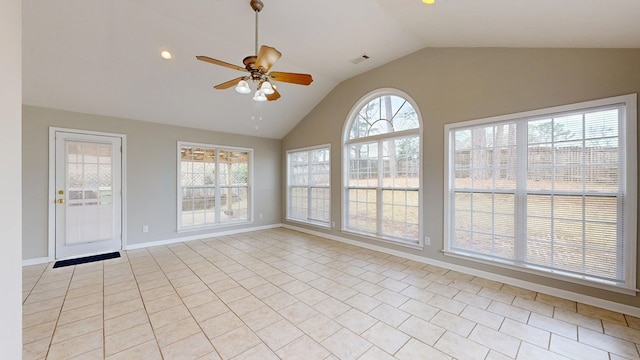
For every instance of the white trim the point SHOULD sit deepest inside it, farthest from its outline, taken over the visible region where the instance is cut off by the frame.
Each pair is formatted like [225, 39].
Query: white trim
[309, 148]
[44, 260]
[565, 294]
[309, 223]
[552, 274]
[416, 246]
[215, 226]
[377, 138]
[288, 185]
[629, 181]
[51, 236]
[200, 237]
[631, 187]
[250, 197]
[35, 261]
[622, 99]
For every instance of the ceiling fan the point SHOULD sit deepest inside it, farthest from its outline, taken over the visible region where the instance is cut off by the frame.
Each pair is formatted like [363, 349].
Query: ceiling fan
[258, 67]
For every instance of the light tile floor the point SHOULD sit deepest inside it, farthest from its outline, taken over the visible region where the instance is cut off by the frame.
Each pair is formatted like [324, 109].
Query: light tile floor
[280, 294]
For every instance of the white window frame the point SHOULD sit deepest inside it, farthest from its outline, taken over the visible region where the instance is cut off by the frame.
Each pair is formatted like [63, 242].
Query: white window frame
[309, 188]
[218, 223]
[346, 142]
[628, 148]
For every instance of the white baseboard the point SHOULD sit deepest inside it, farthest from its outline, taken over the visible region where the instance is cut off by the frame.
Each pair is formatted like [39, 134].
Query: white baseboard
[569, 295]
[44, 260]
[200, 237]
[36, 261]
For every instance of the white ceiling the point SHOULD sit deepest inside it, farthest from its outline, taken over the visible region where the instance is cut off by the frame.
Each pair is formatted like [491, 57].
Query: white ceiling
[102, 57]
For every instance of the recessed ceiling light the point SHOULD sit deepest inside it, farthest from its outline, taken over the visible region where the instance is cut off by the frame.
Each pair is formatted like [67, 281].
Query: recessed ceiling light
[429, 2]
[166, 54]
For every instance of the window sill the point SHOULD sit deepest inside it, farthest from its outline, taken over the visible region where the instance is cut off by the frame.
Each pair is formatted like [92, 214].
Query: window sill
[553, 274]
[214, 226]
[417, 246]
[310, 223]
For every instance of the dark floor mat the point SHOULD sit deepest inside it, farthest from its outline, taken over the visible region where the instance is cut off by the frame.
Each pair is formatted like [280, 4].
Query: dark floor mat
[86, 259]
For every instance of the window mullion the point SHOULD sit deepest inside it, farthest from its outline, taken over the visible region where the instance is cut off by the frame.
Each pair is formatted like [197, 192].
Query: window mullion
[309, 191]
[379, 212]
[217, 187]
[621, 194]
[520, 201]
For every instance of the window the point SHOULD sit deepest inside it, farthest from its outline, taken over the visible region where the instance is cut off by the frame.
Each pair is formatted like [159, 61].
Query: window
[550, 191]
[382, 168]
[214, 185]
[308, 190]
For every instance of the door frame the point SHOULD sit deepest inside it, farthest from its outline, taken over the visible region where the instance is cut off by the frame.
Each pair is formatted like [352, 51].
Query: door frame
[52, 185]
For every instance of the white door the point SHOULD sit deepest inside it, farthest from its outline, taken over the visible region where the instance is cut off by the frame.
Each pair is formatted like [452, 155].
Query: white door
[88, 198]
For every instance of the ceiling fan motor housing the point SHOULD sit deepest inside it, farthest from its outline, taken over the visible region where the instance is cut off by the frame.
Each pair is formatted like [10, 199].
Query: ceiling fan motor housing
[256, 5]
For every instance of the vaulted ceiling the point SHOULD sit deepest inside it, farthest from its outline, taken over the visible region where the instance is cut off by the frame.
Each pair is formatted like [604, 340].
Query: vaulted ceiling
[102, 57]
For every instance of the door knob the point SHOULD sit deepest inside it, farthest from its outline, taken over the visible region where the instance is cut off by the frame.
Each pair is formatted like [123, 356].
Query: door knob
[61, 192]
[60, 201]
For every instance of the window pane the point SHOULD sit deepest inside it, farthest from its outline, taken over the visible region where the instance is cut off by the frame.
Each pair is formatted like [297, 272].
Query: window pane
[234, 204]
[602, 125]
[567, 128]
[298, 203]
[383, 174]
[320, 198]
[400, 214]
[309, 179]
[400, 159]
[601, 208]
[485, 157]
[362, 210]
[569, 192]
[383, 115]
[363, 165]
[214, 185]
[462, 201]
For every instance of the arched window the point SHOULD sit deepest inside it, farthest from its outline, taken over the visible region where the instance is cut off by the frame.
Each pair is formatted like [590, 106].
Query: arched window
[382, 142]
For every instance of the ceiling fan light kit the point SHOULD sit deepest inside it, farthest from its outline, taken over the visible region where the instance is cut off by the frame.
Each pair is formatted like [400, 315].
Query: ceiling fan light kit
[258, 68]
[259, 96]
[243, 87]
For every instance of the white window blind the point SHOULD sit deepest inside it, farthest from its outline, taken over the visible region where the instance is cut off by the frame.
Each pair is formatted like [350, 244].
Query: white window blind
[308, 185]
[547, 192]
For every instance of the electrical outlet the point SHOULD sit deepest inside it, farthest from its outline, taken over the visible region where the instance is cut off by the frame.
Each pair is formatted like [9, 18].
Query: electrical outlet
[260, 216]
[333, 224]
[145, 228]
[427, 240]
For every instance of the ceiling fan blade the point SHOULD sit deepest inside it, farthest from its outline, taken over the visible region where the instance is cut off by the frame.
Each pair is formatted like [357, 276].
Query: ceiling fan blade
[267, 57]
[221, 63]
[228, 84]
[300, 79]
[274, 96]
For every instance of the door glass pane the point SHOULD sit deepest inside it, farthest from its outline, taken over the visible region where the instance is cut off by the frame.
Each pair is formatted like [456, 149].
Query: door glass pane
[89, 215]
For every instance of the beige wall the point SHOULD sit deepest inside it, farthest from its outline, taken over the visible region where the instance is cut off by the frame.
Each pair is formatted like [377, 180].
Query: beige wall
[452, 85]
[10, 180]
[151, 161]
